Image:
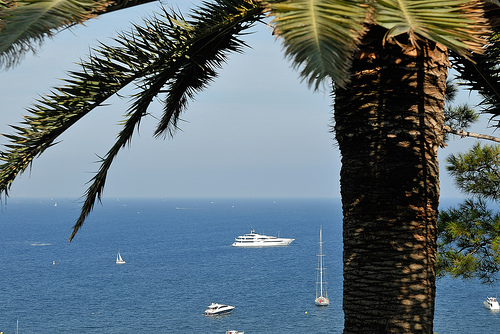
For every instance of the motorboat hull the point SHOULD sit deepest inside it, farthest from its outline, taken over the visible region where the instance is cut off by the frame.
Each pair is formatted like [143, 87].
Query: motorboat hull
[492, 304]
[218, 312]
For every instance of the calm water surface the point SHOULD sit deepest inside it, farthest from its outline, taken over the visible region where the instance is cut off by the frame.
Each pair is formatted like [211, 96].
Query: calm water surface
[179, 260]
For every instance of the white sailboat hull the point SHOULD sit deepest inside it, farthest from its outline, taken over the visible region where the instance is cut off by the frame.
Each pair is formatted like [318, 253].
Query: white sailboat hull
[119, 259]
[322, 301]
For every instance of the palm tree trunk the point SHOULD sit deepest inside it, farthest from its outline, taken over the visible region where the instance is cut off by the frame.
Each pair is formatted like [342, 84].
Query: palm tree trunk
[388, 124]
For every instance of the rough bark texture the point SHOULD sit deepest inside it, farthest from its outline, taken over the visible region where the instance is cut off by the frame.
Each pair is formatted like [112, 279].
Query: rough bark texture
[388, 124]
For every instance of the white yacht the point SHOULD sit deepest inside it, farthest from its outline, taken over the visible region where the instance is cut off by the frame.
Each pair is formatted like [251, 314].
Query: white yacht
[218, 309]
[253, 239]
[492, 303]
[234, 332]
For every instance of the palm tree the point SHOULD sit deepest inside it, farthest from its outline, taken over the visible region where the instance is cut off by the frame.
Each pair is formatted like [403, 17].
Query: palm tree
[388, 62]
[24, 24]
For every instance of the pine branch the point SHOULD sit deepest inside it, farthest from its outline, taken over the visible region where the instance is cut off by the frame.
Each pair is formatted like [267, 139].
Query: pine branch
[462, 133]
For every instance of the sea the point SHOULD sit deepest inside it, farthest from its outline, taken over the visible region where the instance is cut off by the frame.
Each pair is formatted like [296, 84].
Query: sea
[179, 260]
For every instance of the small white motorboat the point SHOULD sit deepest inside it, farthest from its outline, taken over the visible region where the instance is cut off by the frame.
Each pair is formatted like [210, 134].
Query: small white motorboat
[234, 332]
[492, 304]
[218, 309]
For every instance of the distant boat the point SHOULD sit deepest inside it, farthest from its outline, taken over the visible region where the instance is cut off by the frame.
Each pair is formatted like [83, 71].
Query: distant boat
[119, 259]
[253, 239]
[322, 297]
[234, 332]
[218, 309]
[492, 304]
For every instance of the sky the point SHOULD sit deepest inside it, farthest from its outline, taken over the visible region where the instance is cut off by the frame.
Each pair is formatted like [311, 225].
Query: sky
[257, 131]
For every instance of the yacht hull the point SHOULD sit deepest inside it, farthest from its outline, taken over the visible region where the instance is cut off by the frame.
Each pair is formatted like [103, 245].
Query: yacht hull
[260, 240]
[276, 243]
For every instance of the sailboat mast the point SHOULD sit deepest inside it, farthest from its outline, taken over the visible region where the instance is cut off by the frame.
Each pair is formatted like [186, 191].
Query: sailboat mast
[321, 300]
[321, 261]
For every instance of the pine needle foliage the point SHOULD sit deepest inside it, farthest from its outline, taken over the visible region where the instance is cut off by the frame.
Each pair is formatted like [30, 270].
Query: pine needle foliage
[461, 116]
[477, 171]
[468, 242]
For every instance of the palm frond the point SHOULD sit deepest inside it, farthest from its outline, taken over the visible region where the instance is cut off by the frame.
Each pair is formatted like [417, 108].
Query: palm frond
[320, 36]
[199, 47]
[459, 25]
[161, 57]
[120, 4]
[24, 24]
[482, 74]
[214, 29]
[98, 181]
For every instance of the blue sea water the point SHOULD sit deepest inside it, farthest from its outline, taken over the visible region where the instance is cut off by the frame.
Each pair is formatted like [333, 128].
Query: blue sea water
[179, 260]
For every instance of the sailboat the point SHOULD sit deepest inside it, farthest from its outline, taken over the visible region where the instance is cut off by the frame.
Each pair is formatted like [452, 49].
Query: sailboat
[119, 259]
[322, 298]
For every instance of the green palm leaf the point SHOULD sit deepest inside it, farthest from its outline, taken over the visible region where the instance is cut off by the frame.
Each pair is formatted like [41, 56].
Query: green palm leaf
[457, 24]
[160, 58]
[320, 36]
[482, 74]
[24, 24]
[201, 46]
[212, 28]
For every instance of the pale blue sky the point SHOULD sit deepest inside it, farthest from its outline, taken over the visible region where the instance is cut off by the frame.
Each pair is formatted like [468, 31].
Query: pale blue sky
[256, 131]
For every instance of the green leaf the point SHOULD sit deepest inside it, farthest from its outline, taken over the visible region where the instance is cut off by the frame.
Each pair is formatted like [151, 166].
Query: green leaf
[320, 36]
[24, 24]
[169, 57]
[458, 24]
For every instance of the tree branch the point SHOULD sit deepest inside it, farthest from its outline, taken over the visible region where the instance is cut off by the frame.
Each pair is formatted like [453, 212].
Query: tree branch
[463, 134]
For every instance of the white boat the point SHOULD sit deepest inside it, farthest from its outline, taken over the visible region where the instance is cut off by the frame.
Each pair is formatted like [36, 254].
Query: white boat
[234, 332]
[321, 292]
[253, 239]
[492, 303]
[218, 309]
[119, 259]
